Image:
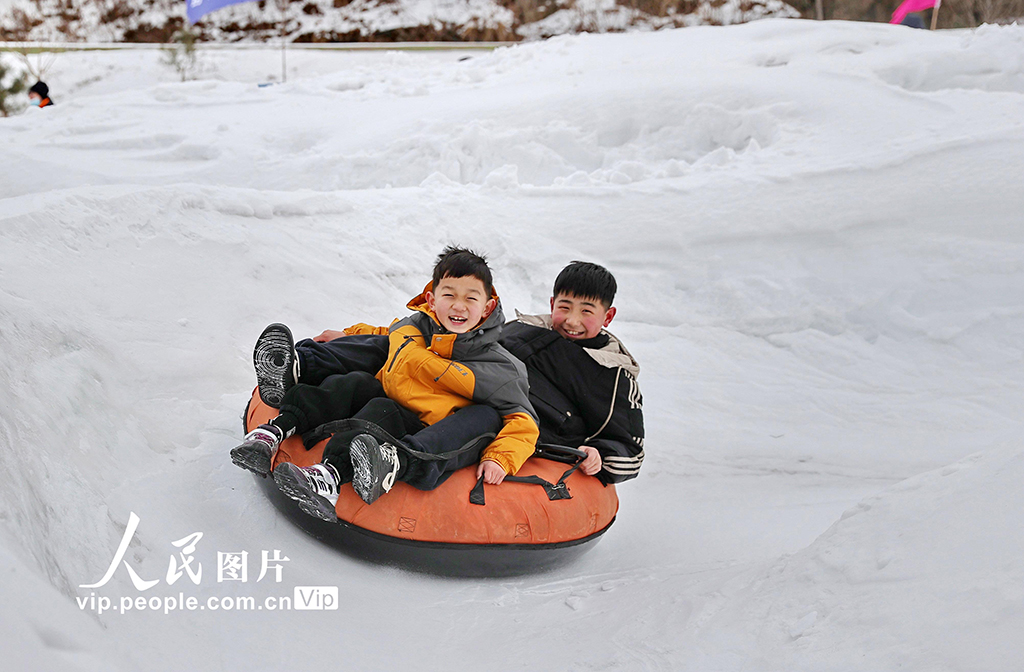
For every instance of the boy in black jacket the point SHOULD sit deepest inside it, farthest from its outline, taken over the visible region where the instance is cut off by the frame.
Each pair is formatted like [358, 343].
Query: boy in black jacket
[582, 379]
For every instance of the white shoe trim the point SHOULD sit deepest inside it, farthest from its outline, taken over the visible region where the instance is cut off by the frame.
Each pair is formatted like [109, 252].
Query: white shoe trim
[322, 482]
[390, 454]
[264, 435]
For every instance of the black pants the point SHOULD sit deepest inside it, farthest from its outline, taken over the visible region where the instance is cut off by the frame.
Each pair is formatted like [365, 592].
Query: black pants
[383, 412]
[468, 430]
[317, 361]
[359, 395]
[335, 398]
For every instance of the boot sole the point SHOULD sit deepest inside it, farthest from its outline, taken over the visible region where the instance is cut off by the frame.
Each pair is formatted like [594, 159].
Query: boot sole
[288, 480]
[251, 458]
[274, 344]
[368, 469]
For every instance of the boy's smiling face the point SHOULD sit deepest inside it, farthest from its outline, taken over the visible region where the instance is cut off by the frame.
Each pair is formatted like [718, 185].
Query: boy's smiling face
[578, 318]
[460, 304]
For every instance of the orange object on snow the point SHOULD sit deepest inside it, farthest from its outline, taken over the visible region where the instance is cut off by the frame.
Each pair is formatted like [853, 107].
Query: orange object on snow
[518, 528]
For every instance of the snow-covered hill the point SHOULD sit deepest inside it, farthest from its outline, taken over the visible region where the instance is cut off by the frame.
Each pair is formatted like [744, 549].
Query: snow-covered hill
[364, 20]
[816, 231]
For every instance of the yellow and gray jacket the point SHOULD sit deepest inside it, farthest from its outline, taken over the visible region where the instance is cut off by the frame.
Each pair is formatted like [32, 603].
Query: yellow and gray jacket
[434, 372]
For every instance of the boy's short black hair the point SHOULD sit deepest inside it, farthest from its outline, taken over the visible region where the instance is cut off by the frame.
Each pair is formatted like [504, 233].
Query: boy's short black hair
[458, 262]
[585, 280]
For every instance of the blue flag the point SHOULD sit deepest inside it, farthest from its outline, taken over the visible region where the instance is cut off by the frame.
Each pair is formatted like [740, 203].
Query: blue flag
[198, 8]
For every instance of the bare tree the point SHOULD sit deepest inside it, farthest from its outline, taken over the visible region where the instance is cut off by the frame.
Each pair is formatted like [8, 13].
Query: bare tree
[181, 54]
[974, 13]
[43, 62]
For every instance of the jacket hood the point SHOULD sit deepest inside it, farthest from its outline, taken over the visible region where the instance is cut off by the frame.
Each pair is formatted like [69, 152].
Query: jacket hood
[613, 355]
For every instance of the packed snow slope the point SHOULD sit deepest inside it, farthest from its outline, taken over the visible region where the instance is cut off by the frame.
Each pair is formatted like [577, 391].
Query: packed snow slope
[817, 232]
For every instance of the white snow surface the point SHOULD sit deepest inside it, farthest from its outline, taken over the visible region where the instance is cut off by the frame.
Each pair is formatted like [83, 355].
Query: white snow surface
[816, 228]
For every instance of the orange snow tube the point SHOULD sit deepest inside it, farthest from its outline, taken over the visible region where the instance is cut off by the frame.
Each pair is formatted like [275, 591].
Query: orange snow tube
[520, 528]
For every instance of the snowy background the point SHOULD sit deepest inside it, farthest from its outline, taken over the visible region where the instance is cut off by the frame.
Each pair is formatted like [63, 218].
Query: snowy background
[367, 20]
[817, 231]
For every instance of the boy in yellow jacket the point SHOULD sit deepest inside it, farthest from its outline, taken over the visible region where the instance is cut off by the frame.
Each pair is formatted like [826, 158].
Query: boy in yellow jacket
[446, 384]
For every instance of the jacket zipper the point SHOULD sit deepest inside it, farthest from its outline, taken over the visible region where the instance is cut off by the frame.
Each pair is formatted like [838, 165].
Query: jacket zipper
[392, 364]
[611, 409]
[450, 362]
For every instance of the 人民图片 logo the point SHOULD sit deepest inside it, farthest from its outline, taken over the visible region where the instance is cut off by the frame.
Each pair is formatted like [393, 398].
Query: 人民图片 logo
[232, 566]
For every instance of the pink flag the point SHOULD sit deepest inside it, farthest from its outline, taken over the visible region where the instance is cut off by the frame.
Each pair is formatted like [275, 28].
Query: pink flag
[909, 6]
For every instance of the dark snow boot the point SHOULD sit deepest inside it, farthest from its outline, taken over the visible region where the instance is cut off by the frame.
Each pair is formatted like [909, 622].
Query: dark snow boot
[375, 467]
[314, 488]
[257, 448]
[276, 363]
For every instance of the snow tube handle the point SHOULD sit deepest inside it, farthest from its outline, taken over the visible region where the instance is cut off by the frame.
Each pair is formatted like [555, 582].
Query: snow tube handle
[555, 491]
[476, 495]
[559, 453]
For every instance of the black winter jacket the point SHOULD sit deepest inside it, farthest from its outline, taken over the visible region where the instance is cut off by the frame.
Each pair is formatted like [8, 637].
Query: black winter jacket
[585, 393]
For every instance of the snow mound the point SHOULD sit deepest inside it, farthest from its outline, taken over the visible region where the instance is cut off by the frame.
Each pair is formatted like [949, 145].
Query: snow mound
[989, 59]
[928, 574]
[560, 153]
